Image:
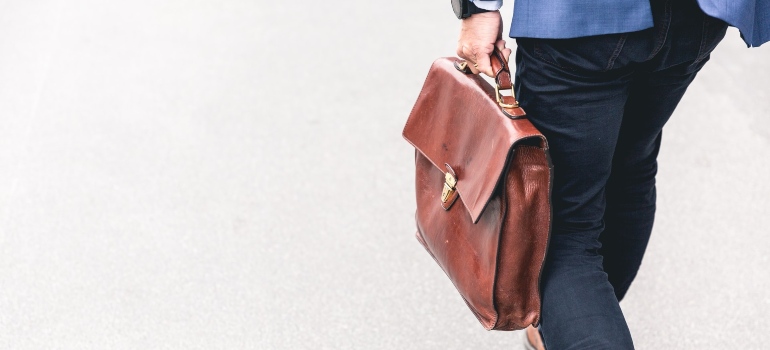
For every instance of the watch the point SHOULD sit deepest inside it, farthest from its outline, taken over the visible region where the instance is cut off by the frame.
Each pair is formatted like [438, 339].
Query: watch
[466, 8]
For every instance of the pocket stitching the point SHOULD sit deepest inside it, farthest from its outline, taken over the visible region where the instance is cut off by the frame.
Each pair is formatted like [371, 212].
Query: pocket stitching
[708, 21]
[616, 53]
[610, 64]
[703, 37]
[539, 54]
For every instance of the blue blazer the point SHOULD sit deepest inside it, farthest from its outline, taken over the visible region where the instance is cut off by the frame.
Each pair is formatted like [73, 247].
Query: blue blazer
[558, 19]
[752, 17]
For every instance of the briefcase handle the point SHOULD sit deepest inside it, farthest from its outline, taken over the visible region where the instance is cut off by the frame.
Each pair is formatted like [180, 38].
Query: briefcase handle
[503, 82]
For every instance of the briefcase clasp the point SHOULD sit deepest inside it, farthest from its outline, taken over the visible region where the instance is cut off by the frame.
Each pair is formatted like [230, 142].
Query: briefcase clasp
[449, 194]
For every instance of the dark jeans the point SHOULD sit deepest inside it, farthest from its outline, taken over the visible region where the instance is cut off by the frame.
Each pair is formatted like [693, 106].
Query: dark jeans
[602, 102]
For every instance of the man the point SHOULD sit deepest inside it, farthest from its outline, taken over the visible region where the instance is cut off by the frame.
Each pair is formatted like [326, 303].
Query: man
[600, 78]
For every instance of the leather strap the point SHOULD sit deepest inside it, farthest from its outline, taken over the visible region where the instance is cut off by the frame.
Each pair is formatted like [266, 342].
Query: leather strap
[500, 67]
[504, 82]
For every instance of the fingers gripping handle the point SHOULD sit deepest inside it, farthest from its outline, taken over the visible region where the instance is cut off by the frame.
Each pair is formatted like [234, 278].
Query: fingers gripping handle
[503, 83]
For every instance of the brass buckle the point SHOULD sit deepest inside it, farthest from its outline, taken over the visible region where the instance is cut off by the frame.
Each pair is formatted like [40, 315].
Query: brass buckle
[500, 98]
[449, 187]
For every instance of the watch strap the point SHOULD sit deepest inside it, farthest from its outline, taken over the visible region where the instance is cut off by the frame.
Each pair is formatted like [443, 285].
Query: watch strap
[472, 9]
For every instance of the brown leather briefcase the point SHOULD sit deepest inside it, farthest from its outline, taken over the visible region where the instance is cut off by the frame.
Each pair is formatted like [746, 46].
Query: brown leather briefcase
[483, 191]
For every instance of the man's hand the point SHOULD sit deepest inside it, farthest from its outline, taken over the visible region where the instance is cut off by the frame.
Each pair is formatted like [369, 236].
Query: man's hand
[479, 34]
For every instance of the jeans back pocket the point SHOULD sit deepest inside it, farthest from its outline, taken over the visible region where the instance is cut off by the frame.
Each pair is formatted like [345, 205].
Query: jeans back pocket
[593, 53]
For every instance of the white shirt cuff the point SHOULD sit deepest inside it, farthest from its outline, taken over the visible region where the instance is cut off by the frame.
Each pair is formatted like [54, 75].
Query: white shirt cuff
[488, 5]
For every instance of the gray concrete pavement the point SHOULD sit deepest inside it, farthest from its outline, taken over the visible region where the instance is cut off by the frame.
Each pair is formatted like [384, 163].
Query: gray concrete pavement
[230, 175]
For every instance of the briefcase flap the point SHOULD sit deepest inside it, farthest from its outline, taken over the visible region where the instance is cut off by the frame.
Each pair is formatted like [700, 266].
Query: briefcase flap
[457, 121]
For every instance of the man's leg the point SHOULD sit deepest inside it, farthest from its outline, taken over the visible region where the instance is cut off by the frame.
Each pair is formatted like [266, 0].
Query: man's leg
[576, 92]
[630, 191]
[573, 96]
[654, 95]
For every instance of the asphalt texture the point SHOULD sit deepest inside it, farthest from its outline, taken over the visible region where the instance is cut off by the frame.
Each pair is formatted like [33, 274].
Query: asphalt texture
[231, 175]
